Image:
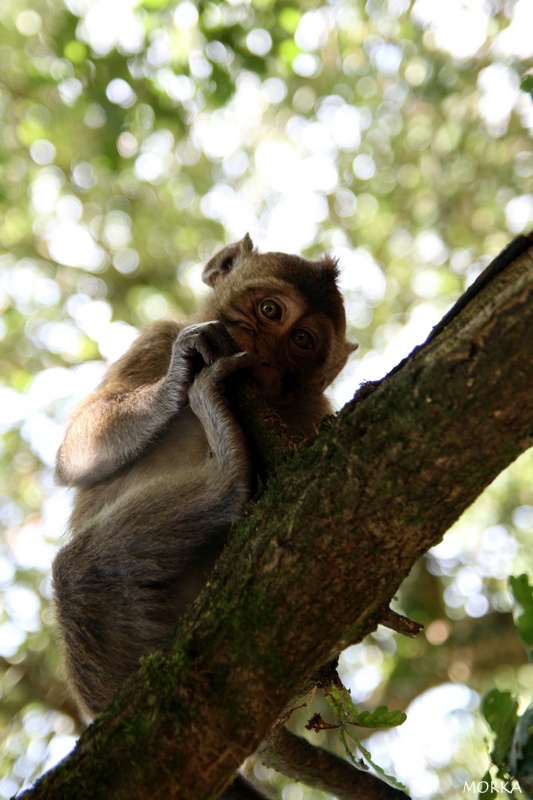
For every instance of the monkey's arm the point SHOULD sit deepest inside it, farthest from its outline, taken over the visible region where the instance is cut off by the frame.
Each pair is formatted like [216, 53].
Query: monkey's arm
[134, 565]
[136, 400]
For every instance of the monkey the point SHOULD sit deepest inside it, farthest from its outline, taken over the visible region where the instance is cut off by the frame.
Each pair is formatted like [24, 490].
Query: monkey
[161, 466]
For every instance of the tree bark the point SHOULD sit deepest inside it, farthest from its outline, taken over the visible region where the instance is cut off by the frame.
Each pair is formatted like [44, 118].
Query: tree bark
[322, 551]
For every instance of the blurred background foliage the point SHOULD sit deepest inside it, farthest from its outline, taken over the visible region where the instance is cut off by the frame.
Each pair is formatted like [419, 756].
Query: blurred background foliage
[135, 139]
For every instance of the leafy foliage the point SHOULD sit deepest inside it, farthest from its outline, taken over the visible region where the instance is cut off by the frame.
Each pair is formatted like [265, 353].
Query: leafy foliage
[512, 750]
[500, 711]
[347, 715]
[134, 140]
[527, 84]
[523, 595]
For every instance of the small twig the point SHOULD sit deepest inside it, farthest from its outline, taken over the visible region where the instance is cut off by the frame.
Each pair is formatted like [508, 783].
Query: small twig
[397, 622]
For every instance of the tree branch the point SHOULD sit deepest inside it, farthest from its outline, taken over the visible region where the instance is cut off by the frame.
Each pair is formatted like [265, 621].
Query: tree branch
[321, 769]
[319, 556]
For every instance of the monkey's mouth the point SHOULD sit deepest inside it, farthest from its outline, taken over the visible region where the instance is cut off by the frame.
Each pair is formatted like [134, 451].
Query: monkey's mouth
[268, 366]
[268, 377]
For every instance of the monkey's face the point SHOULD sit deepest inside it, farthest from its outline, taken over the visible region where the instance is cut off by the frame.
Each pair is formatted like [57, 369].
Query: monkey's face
[286, 309]
[277, 306]
[273, 323]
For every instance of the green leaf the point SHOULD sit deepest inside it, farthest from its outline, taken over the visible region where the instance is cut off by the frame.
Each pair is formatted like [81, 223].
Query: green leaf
[368, 757]
[499, 709]
[521, 753]
[76, 52]
[155, 5]
[492, 790]
[289, 19]
[381, 717]
[526, 84]
[346, 712]
[523, 594]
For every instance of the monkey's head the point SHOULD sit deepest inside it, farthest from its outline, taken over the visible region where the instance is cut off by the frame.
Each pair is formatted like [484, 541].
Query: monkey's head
[287, 309]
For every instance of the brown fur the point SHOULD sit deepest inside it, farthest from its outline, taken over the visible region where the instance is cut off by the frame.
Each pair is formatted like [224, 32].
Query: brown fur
[160, 464]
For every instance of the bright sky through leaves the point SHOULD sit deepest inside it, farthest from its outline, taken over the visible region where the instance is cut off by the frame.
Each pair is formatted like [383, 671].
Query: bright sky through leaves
[135, 139]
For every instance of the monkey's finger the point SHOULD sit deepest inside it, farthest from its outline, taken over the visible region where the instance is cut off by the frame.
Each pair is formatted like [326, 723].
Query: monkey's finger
[215, 341]
[227, 365]
[208, 340]
[211, 379]
[230, 364]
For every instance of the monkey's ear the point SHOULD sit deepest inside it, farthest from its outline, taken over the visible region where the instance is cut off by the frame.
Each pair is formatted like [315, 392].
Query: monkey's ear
[224, 261]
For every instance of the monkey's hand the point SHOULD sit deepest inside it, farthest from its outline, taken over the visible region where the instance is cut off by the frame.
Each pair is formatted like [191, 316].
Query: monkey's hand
[196, 347]
[225, 438]
[210, 381]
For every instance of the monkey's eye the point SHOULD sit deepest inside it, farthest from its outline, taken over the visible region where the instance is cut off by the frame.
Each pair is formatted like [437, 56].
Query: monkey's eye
[270, 309]
[303, 339]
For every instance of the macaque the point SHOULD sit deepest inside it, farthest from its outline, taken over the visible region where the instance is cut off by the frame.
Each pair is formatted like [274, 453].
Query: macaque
[161, 466]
